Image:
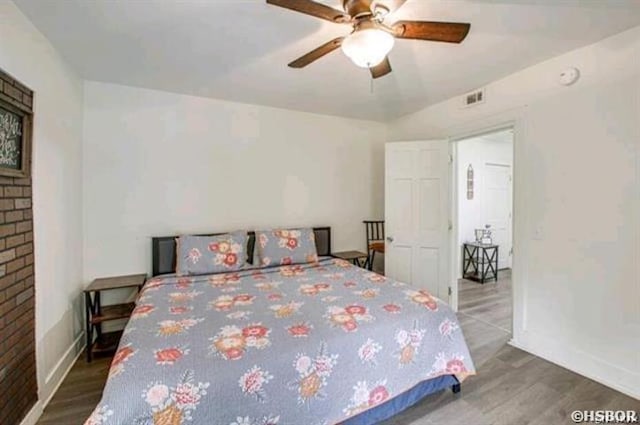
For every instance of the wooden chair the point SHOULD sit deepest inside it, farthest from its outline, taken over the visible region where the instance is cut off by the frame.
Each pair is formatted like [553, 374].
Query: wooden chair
[375, 240]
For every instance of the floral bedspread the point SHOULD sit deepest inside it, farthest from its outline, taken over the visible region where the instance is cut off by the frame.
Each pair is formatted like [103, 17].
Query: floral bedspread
[306, 344]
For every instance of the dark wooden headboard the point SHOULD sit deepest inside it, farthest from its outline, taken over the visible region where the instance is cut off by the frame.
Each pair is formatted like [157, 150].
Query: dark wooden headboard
[163, 249]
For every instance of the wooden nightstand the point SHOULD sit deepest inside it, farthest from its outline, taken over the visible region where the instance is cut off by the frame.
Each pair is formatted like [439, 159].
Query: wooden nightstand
[355, 257]
[96, 314]
[480, 262]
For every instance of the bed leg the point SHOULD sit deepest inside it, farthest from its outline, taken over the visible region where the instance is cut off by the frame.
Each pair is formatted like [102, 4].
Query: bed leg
[455, 388]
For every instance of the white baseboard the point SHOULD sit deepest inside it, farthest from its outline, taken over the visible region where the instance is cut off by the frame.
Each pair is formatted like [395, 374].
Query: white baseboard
[580, 362]
[34, 414]
[54, 379]
[60, 370]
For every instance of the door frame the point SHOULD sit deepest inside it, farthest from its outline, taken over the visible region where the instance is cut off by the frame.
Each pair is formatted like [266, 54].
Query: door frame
[489, 124]
[510, 190]
[456, 255]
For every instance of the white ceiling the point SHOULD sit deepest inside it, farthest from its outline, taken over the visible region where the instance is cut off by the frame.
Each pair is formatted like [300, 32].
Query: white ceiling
[238, 49]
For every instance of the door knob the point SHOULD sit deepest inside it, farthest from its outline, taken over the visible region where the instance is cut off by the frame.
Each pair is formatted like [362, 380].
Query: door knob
[390, 239]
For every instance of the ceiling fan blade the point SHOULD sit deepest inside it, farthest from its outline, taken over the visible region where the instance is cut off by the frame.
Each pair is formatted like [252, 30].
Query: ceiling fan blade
[312, 8]
[449, 32]
[382, 69]
[316, 54]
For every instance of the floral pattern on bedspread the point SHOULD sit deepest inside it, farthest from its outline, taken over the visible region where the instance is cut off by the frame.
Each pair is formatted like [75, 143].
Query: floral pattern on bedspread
[313, 344]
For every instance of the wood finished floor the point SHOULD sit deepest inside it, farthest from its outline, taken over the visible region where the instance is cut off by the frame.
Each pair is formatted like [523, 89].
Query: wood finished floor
[511, 387]
[489, 302]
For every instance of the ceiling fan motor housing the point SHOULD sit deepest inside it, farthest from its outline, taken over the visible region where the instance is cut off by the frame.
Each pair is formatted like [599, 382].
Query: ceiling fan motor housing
[357, 8]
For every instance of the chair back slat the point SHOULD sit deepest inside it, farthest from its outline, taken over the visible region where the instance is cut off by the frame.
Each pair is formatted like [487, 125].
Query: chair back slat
[375, 233]
[374, 230]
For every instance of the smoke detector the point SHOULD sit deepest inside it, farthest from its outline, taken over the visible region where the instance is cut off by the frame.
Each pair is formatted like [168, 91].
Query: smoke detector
[569, 76]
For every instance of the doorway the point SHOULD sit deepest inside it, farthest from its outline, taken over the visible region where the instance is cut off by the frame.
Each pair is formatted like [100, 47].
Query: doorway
[483, 197]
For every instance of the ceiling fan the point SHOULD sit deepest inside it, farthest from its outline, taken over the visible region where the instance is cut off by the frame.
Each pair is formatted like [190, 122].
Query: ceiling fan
[371, 40]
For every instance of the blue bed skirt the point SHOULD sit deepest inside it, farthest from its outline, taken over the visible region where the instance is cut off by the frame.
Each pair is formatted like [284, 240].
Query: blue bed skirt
[403, 401]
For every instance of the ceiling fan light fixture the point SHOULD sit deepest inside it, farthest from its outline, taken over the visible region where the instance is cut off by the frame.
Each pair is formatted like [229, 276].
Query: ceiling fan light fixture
[368, 47]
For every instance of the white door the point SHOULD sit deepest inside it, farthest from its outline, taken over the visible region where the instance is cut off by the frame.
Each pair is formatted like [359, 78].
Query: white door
[417, 214]
[498, 209]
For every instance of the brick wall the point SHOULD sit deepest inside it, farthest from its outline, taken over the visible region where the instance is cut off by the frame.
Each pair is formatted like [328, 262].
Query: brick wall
[18, 385]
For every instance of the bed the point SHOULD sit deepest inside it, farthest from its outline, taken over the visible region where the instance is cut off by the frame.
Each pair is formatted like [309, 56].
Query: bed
[319, 343]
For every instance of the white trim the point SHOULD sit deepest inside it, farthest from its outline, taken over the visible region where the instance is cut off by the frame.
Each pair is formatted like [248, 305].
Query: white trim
[580, 362]
[34, 414]
[69, 358]
[454, 253]
[508, 118]
[513, 123]
[51, 385]
[497, 164]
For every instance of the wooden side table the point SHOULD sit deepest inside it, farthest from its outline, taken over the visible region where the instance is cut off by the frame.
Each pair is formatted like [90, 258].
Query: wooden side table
[96, 313]
[480, 262]
[357, 258]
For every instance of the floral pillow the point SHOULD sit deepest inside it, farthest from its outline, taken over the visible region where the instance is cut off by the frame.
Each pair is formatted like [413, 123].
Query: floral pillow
[210, 254]
[286, 246]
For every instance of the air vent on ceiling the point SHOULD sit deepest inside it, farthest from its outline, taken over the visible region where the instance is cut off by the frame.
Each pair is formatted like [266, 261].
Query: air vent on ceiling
[473, 98]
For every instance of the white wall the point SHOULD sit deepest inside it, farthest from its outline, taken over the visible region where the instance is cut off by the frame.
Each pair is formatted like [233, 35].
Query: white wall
[477, 151]
[57, 192]
[577, 203]
[157, 163]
